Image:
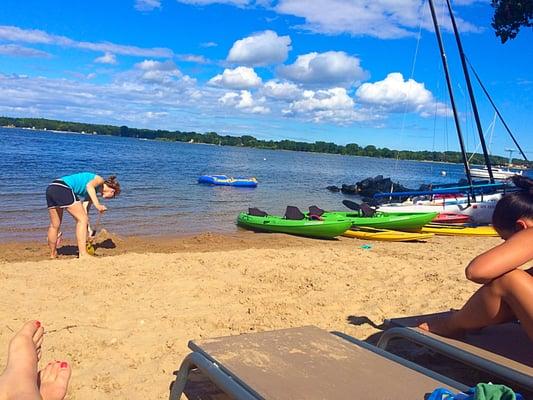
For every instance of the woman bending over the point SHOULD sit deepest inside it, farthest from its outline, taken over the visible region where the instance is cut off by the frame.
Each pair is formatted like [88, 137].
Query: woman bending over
[69, 192]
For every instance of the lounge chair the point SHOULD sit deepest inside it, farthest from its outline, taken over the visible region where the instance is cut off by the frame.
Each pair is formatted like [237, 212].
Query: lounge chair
[502, 350]
[306, 363]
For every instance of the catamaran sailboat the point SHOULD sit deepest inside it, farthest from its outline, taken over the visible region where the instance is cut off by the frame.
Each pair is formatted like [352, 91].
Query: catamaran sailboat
[479, 207]
[497, 173]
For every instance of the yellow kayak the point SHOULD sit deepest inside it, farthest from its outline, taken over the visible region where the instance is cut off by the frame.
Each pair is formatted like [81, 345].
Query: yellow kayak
[459, 230]
[361, 232]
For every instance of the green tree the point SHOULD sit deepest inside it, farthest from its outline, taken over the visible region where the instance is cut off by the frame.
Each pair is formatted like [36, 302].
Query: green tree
[510, 16]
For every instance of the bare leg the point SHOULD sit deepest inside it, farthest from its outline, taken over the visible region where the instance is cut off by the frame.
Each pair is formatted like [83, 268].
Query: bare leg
[79, 214]
[90, 232]
[505, 298]
[54, 380]
[19, 379]
[56, 216]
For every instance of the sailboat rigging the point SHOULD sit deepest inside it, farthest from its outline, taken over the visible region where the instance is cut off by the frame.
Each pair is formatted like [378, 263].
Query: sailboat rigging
[470, 92]
[479, 211]
[450, 91]
[497, 111]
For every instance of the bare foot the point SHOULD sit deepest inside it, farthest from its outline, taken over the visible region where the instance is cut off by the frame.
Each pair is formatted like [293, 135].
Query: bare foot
[443, 326]
[53, 253]
[19, 379]
[54, 380]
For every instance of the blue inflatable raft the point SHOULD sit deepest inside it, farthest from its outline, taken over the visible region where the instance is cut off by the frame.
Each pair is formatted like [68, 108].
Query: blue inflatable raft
[224, 180]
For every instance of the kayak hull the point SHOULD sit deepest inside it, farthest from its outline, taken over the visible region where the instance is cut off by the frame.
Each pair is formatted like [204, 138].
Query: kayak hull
[459, 230]
[387, 235]
[323, 229]
[451, 218]
[411, 222]
[478, 212]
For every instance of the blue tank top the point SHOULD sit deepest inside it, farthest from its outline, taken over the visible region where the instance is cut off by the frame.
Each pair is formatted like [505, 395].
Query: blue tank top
[78, 183]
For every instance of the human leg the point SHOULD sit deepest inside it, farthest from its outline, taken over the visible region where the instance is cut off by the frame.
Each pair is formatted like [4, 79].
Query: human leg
[19, 379]
[78, 212]
[505, 298]
[56, 216]
[517, 290]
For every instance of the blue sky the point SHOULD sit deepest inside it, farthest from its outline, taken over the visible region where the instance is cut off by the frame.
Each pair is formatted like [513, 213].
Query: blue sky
[346, 71]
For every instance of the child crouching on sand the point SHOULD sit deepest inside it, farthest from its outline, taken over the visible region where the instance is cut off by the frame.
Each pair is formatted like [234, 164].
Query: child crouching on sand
[507, 291]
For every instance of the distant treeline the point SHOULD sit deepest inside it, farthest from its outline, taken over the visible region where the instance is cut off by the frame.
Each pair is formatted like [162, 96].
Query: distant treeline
[352, 149]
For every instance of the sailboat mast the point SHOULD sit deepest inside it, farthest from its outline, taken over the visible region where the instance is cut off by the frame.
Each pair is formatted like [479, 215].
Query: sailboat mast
[450, 91]
[471, 93]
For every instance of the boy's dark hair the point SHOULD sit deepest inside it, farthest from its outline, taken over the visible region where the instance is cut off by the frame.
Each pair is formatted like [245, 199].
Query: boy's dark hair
[113, 183]
[515, 205]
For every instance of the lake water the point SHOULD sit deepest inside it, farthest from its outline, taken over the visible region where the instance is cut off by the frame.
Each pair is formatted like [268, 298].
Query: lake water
[160, 193]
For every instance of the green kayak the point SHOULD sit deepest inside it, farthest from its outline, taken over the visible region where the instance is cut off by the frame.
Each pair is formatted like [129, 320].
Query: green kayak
[411, 222]
[325, 229]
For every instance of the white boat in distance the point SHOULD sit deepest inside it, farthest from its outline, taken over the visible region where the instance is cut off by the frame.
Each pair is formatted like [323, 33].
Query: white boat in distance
[497, 173]
[480, 212]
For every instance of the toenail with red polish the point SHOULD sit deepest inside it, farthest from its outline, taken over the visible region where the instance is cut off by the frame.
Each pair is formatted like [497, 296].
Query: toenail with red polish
[64, 364]
[38, 324]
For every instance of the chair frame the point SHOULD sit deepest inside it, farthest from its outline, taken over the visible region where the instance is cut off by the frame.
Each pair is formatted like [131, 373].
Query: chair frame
[240, 390]
[466, 354]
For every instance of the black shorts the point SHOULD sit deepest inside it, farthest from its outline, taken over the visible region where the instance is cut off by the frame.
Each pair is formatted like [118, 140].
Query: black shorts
[59, 195]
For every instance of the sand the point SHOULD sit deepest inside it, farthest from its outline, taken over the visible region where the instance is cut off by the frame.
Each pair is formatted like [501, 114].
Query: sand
[124, 319]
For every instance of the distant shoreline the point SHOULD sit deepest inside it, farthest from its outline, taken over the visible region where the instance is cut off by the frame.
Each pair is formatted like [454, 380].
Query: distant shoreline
[213, 138]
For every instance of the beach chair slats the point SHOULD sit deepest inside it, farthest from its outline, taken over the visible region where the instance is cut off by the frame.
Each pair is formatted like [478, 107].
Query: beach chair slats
[310, 363]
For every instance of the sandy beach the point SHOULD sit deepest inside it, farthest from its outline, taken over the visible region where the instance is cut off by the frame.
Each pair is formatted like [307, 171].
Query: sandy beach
[124, 319]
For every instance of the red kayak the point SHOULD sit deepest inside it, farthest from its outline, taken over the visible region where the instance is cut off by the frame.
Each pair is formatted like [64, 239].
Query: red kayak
[451, 218]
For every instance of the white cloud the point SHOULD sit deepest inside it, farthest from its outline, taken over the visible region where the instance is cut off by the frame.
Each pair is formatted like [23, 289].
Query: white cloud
[262, 48]
[147, 5]
[121, 101]
[157, 71]
[394, 94]
[107, 58]
[281, 90]
[330, 99]
[238, 78]
[244, 101]
[15, 34]
[332, 68]
[193, 58]
[155, 114]
[334, 105]
[384, 19]
[208, 44]
[20, 51]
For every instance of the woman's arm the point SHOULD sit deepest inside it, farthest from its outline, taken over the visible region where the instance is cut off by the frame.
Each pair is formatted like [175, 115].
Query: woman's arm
[87, 207]
[511, 254]
[91, 191]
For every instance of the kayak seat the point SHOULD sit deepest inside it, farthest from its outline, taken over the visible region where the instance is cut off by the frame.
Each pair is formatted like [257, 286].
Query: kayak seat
[256, 212]
[293, 212]
[367, 210]
[314, 210]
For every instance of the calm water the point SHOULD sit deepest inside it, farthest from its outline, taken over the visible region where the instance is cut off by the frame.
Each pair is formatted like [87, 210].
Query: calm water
[160, 194]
